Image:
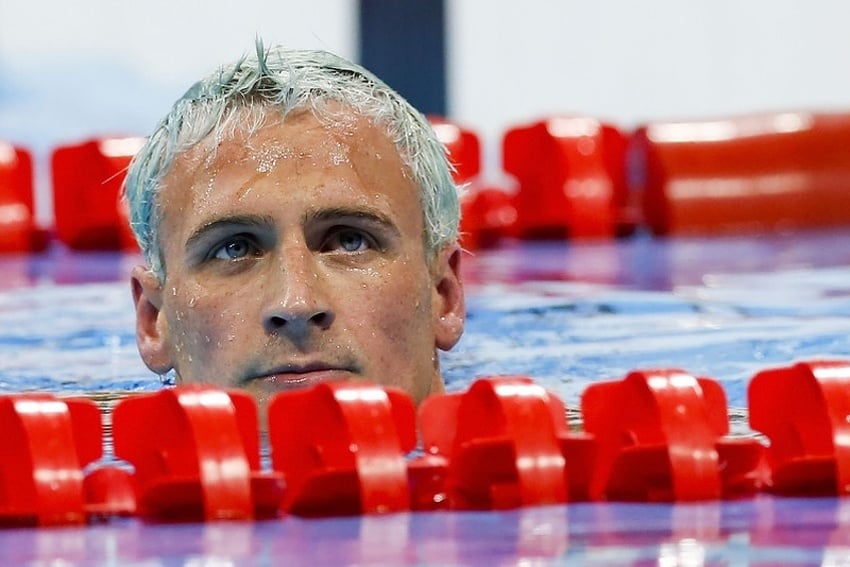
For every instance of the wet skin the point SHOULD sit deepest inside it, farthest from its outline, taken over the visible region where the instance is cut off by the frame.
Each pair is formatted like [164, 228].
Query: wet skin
[295, 256]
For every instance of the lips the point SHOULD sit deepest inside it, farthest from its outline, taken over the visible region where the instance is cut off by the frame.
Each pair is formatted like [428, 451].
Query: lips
[291, 377]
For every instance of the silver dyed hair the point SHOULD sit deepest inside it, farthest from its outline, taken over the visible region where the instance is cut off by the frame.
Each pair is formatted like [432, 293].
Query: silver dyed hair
[274, 82]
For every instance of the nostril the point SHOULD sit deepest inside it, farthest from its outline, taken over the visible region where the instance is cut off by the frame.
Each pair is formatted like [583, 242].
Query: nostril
[321, 319]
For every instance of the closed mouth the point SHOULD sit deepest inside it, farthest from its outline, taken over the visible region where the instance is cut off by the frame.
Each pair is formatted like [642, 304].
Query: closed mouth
[290, 377]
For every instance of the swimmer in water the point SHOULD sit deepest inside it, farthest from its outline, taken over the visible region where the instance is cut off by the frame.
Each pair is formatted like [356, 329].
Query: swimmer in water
[299, 224]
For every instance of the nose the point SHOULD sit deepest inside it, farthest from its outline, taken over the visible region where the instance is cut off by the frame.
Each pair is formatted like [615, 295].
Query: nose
[297, 321]
[298, 304]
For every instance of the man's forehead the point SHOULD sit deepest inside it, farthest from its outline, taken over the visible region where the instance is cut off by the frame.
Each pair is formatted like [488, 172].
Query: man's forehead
[357, 152]
[298, 135]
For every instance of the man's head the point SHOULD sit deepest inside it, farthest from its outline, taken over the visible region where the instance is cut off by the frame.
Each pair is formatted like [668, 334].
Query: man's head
[299, 222]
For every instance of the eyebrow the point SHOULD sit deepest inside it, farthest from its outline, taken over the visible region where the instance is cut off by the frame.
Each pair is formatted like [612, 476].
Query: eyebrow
[336, 214]
[228, 223]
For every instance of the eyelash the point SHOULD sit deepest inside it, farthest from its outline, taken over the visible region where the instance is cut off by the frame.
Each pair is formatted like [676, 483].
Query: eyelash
[331, 243]
[243, 239]
[335, 237]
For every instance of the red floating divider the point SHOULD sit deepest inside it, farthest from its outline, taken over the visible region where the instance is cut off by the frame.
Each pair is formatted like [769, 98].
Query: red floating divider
[344, 448]
[87, 180]
[341, 448]
[749, 174]
[507, 444]
[463, 145]
[803, 409]
[571, 174]
[46, 444]
[18, 231]
[488, 212]
[660, 436]
[195, 450]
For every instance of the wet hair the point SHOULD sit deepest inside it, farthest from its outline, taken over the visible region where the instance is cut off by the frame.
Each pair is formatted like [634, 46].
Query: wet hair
[272, 83]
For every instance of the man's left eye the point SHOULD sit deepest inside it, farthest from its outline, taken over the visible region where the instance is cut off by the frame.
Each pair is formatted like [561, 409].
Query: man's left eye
[349, 241]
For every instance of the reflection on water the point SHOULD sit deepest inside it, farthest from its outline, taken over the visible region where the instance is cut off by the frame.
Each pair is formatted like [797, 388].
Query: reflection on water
[567, 335]
[69, 339]
[760, 531]
[80, 338]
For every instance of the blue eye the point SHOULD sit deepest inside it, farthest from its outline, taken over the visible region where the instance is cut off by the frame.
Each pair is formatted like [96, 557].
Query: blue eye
[351, 241]
[346, 240]
[235, 249]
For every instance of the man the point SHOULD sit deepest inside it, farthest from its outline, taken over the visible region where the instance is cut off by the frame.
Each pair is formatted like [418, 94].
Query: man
[299, 224]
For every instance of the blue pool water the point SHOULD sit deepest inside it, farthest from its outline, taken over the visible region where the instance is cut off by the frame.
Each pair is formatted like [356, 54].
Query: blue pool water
[566, 315]
[567, 335]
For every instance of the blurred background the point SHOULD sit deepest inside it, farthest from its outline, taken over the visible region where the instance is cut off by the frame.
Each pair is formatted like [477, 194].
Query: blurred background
[73, 70]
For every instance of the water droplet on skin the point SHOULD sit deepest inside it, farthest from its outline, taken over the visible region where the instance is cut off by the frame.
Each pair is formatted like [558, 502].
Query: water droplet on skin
[209, 189]
[266, 165]
[268, 157]
[192, 301]
[338, 158]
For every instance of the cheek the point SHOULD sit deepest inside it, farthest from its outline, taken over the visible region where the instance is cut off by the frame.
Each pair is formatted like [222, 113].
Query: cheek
[204, 323]
[396, 304]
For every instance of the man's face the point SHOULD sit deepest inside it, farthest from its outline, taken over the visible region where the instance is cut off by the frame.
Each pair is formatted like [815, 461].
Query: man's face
[294, 256]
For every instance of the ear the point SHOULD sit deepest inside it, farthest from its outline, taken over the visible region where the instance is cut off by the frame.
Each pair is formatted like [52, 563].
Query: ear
[151, 326]
[449, 307]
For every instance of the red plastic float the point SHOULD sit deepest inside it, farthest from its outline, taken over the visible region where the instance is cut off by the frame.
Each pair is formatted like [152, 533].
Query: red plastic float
[661, 436]
[749, 174]
[46, 443]
[341, 448]
[345, 448]
[195, 451]
[463, 146]
[87, 180]
[804, 410]
[488, 213]
[507, 444]
[571, 175]
[18, 230]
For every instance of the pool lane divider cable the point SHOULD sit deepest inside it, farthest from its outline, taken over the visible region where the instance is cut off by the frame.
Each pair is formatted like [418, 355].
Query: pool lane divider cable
[192, 453]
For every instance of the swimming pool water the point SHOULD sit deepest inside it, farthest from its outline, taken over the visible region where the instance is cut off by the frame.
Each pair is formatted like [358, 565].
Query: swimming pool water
[567, 335]
[564, 314]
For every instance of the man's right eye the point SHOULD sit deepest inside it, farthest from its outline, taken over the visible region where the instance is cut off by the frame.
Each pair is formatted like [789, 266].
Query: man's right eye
[235, 248]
